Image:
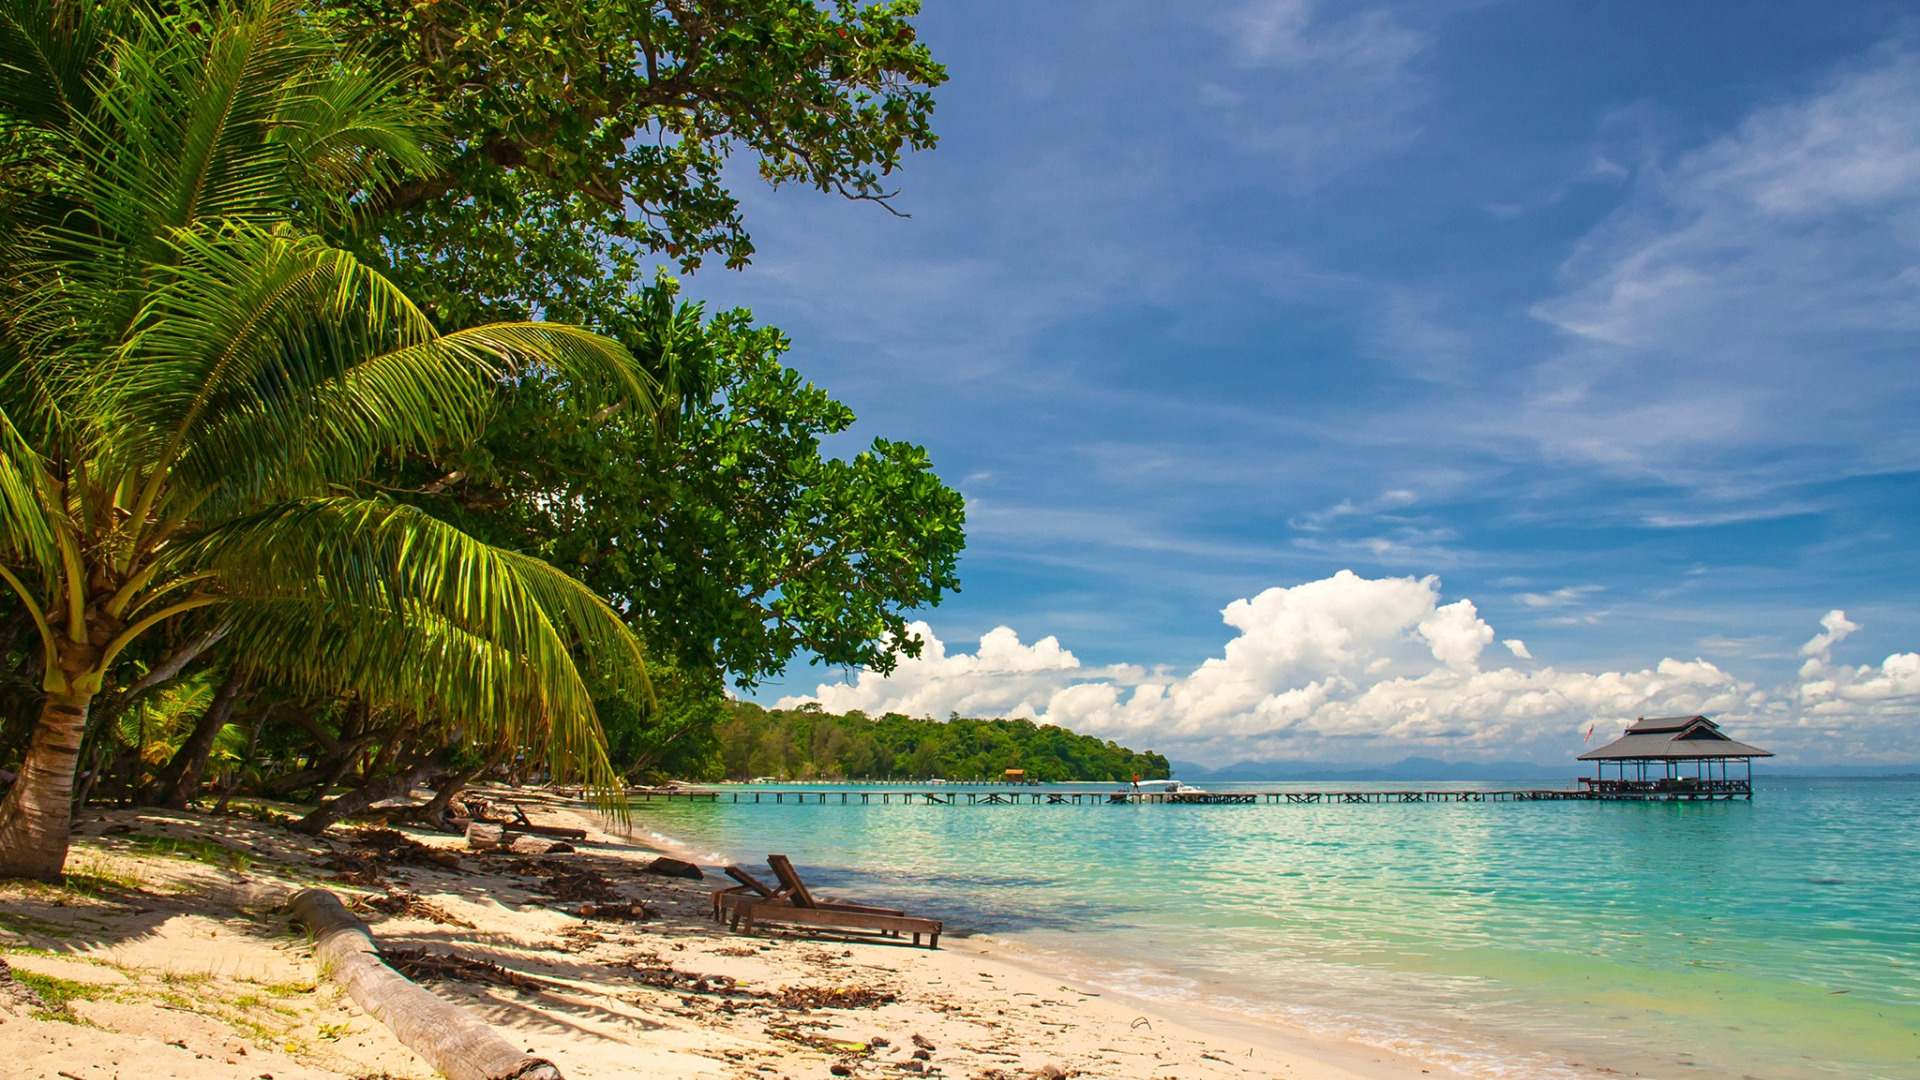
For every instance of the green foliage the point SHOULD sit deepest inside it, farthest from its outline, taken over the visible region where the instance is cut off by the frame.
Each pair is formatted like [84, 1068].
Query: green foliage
[720, 529]
[588, 133]
[809, 744]
[193, 373]
[674, 736]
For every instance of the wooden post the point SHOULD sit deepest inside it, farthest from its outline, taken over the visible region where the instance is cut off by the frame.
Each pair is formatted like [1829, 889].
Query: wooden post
[442, 1033]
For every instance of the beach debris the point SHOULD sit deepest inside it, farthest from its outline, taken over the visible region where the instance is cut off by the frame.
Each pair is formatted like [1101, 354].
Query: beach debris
[921, 1042]
[1140, 1022]
[483, 836]
[838, 1069]
[802, 998]
[922, 1055]
[539, 845]
[663, 977]
[418, 964]
[582, 884]
[793, 1034]
[371, 851]
[679, 868]
[624, 911]
[410, 905]
[881, 1040]
[1050, 1071]
[16, 996]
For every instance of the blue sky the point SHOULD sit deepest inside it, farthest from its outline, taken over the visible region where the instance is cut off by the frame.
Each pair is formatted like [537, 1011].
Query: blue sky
[1604, 314]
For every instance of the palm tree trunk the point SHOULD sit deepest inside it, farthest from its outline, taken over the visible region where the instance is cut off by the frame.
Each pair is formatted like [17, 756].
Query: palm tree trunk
[447, 1037]
[36, 817]
[435, 812]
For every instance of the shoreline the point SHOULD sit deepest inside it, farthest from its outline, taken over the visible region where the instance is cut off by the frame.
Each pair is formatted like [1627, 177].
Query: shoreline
[1293, 1045]
[166, 954]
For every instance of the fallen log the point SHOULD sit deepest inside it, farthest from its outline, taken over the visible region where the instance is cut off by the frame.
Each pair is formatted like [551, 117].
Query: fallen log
[558, 832]
[442, 1033]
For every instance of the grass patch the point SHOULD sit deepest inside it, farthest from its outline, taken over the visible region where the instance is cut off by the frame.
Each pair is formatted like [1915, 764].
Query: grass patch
[191, 847]
[95, 878]
[57, 993]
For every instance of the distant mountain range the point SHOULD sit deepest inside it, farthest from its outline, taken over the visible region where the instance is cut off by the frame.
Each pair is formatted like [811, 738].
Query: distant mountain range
[1420, 768]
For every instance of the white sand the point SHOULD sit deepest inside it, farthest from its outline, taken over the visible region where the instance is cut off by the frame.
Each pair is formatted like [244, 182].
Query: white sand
[185, 969]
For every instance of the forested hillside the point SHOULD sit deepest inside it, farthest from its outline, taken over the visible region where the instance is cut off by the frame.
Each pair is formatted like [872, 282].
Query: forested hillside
[807, 744]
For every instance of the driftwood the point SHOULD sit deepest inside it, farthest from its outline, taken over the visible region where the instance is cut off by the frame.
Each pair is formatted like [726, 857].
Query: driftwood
[442, 1033]
[679, 868]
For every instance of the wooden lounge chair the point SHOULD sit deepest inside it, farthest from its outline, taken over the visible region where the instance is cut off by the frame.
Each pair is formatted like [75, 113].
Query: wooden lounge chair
[749, 886]
[795, 905]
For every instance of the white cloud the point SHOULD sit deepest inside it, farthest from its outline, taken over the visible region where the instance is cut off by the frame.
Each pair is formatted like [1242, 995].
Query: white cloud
[1558, 598]
[1837, 627]
[1317, 93]
[1351, 668]
[1752, 293]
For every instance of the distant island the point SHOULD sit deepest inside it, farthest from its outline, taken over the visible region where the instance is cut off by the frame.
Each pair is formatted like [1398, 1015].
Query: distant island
[808, 743]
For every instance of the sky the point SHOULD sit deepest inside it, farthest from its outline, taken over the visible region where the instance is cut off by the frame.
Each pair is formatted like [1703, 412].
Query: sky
[1345, 381]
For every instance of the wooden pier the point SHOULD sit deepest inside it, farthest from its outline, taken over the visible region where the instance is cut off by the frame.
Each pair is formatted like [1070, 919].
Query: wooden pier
[1719, 792]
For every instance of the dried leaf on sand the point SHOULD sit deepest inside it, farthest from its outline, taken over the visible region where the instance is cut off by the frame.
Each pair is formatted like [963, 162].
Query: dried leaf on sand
[409, 905]
[799, 998]
[579, 885]
[371, 851]
[418, 964]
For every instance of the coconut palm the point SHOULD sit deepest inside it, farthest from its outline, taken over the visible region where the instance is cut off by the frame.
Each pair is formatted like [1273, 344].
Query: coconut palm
[194, 379]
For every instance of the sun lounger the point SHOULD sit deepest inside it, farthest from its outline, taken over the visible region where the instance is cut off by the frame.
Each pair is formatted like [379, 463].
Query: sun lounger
[749, 886]
[794, 904]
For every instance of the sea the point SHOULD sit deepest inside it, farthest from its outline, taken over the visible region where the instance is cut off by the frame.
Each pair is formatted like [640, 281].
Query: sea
[1777, 939]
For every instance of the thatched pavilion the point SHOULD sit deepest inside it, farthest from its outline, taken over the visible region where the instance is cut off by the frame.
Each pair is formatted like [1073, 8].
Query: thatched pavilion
[1685, 757]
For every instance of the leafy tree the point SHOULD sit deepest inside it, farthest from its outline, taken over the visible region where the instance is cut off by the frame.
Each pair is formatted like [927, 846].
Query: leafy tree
[720, 529]
[588, 134]
[193, 376]
[809, 743]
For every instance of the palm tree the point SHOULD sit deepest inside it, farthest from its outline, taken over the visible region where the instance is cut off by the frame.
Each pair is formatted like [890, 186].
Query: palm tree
[193, 379]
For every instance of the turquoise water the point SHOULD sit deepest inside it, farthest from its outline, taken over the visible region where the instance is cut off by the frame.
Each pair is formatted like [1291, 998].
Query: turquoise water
[1777, 939]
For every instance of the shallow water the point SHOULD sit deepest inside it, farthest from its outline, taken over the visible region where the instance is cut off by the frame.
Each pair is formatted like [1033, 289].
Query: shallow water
[1777, 939]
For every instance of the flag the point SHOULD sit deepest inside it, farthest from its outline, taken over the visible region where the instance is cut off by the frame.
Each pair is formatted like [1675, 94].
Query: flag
[1589, 737]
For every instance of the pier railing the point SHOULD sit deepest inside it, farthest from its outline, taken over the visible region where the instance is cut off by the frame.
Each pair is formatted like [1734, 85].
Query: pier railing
[1588, 791]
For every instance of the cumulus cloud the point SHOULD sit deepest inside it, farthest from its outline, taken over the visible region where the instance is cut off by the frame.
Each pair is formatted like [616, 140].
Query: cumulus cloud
[1837, 628]
[1355, 668]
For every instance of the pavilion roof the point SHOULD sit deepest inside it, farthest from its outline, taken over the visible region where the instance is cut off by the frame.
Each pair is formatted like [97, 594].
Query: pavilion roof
[1671, 737]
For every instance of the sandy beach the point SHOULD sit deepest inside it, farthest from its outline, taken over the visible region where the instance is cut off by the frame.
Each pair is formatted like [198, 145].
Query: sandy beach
[168, 954]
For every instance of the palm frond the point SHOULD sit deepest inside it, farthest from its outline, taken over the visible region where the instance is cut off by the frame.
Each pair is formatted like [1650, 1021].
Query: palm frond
[268, 366]
[479, 630]
[418, 663]
[47, 49]
[25, 535]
